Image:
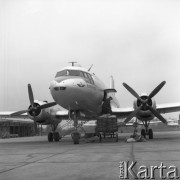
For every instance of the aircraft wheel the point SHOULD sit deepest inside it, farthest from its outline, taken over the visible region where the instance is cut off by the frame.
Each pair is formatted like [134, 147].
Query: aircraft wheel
[56, 136]
[76, 140]
[116, 137]
[76, 137]
[150, 134]
[100, 138]
[143, 133]
[50, 137]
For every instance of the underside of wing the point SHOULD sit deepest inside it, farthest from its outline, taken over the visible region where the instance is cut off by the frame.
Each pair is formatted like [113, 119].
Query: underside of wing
[62, 114]
[168, 108]
[122, 112]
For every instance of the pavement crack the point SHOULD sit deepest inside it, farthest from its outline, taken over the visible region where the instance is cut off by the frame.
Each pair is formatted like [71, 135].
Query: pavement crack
[35, 161]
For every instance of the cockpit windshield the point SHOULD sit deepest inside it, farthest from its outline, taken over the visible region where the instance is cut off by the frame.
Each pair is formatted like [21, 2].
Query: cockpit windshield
[61, 73]
[84, 75]
[68, 73]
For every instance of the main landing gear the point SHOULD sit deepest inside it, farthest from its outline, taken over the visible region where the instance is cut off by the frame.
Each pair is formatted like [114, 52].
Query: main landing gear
[147, 131]
[75, 135]
[54, 135]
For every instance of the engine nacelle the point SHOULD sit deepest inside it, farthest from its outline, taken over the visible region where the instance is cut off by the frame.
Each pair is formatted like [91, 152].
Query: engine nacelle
[144, 113]
[40, 115]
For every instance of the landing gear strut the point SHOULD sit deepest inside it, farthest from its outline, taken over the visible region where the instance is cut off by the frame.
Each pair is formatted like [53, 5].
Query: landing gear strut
[150, 134]
[75, 135]
[54, 135]
[50, 137]
[145, 131]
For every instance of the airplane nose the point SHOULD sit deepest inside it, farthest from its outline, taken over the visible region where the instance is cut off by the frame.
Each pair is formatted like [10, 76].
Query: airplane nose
[56, 86]
[66, 84]
[67, 91]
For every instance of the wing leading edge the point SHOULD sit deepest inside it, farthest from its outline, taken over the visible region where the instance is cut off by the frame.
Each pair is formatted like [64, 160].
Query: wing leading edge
[168, 108]
[7, 114]
[161, 108]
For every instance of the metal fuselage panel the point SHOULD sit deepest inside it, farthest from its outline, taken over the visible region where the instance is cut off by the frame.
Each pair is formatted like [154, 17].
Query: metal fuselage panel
[75, 93]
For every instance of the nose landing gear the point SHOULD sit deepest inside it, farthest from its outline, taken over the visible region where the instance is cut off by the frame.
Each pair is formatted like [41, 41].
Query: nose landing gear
[75, 135]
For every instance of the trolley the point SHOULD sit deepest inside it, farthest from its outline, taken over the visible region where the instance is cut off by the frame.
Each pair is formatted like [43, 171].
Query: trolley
[107, 127]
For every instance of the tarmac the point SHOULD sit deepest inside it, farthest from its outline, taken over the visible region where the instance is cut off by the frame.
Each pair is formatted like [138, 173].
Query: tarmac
[33, 158]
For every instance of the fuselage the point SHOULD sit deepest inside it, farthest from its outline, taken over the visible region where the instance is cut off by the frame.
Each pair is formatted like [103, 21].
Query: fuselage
[74, 88]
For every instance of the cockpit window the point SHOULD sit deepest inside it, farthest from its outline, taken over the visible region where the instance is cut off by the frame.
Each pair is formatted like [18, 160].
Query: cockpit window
[88, 78]
[84, 75]
[62, 73]
[81, 74]
[68, 73]
[73, 73]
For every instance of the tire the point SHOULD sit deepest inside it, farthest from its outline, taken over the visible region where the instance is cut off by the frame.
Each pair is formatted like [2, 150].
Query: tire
[76, 137]
[116, 137]
[50, 137]
[76, 140]
[56, 137]
[143, 133]
[150, 134]
[100, 138]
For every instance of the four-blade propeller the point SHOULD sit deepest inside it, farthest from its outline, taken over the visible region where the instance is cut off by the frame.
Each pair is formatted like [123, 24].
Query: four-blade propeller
[145, 104]
[34, 108]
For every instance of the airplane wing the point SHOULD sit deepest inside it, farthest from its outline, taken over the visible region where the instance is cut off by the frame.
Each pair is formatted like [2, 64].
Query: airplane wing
[161, 108]
[6, 114]
[168, 108]
[62, 114]
[122, 112]
[59, 114]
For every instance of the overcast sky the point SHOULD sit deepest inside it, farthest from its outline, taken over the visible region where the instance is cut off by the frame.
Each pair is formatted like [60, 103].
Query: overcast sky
[138, 42]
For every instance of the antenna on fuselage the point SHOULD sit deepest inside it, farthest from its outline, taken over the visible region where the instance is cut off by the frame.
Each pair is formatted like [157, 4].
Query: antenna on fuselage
[90, 68]
[72, 63]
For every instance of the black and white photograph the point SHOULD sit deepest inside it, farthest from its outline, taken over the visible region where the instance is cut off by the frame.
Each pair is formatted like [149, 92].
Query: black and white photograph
[89, 89]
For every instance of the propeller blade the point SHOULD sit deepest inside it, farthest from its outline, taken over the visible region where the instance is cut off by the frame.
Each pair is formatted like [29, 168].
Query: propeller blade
[46, 105]
[132, 115]
[31, 97]
[157, 89]
[134, 93]
[18, 113]
[157, 114]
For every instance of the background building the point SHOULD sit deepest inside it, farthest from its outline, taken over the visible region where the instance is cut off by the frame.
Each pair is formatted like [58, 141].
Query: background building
[16, 128]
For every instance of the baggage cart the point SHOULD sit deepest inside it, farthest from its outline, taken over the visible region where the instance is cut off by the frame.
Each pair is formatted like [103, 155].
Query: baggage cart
[107, 127]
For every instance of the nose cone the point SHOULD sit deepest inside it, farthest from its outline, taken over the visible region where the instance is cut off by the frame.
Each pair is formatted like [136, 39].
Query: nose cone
[66, 91]
[66, 84]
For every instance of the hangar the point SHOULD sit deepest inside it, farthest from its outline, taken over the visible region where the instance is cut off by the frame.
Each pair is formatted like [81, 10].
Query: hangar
[16, 128]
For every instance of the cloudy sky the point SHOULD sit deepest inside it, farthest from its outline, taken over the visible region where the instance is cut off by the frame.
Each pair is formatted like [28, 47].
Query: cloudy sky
[136, 41]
